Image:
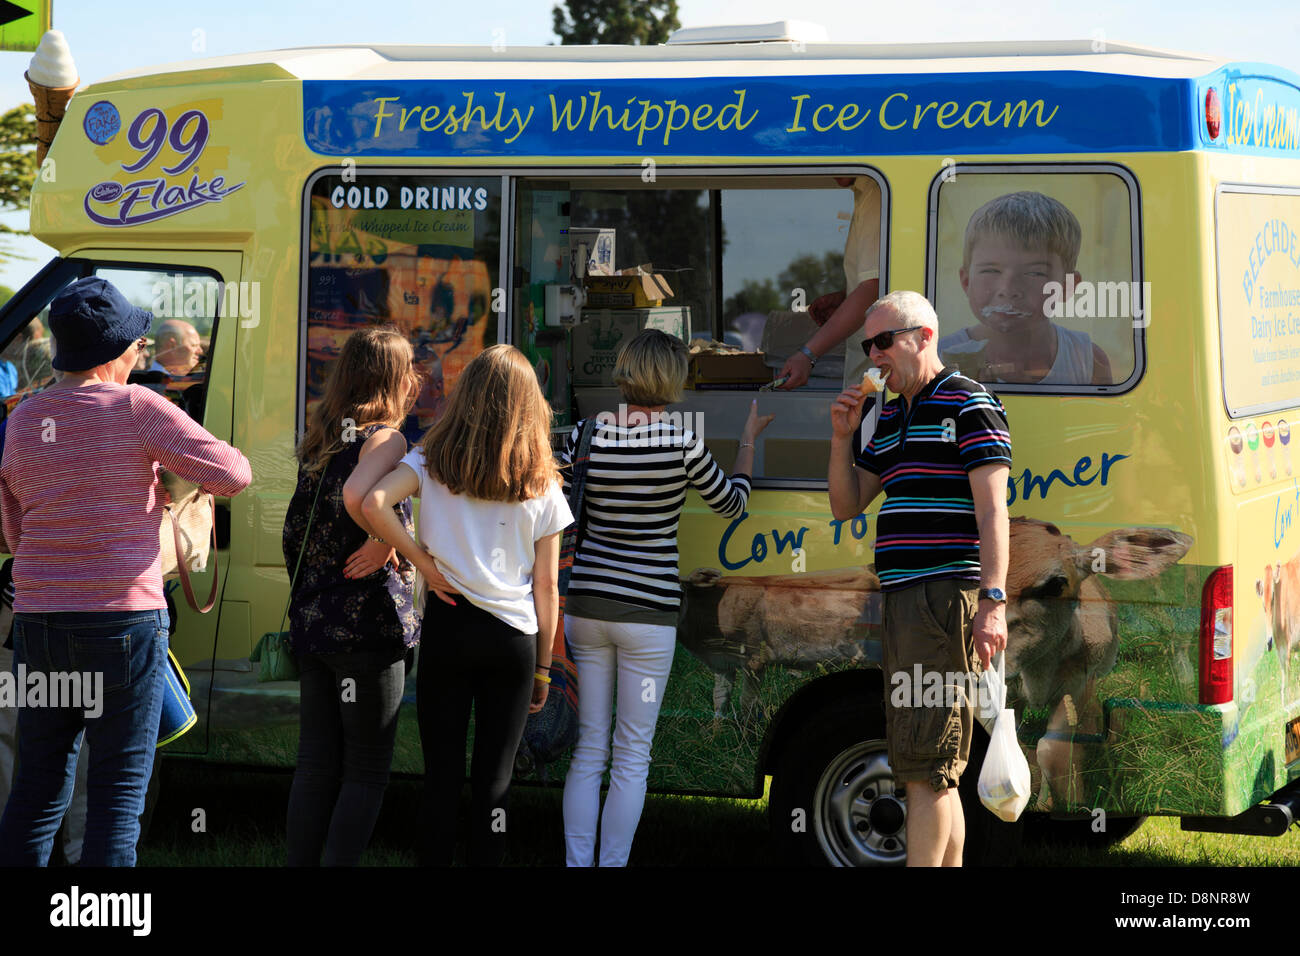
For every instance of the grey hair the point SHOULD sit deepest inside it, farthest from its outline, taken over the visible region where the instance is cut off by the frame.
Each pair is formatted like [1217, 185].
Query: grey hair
[912, 307]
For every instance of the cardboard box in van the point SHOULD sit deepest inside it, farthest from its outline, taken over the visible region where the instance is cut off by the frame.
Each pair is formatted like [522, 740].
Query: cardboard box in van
[602, 332]
[639, 288]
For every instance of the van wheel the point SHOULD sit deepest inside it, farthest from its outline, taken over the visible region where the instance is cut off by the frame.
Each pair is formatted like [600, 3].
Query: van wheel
[834, 800]
[1042, 830]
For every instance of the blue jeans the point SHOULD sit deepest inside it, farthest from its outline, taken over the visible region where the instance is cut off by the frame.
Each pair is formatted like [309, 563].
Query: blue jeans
[125, 653]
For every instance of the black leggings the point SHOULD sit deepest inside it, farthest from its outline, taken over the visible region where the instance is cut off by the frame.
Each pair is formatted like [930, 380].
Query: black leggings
[469, 656]
[345, 753]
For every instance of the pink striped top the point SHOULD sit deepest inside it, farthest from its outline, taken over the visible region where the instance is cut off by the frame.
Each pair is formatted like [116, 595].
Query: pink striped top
[80, 499]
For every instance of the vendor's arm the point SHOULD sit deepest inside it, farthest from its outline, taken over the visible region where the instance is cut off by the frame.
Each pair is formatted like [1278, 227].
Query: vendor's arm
[844, 321]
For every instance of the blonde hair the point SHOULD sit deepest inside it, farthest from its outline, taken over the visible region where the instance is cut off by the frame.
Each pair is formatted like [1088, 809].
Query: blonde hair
[651, 369]
[1032, 220]
[373, 382]
[493, 440]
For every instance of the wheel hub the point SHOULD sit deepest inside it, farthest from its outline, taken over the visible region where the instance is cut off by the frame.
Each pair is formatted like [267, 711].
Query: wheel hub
[859, 812]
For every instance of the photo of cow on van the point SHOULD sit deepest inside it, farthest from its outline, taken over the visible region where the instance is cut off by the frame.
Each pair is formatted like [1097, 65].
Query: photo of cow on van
[1062, 632]
[1279, 589]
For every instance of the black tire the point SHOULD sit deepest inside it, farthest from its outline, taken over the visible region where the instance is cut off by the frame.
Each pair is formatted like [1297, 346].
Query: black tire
[1042, 830]
[839, 748]
[834, 801]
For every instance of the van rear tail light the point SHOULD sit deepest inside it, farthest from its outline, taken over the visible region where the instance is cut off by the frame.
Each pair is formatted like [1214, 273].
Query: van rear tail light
[1213, 114]
[1216, 637]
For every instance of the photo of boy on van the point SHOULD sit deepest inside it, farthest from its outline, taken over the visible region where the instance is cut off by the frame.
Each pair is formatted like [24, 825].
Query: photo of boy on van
[1015, 245]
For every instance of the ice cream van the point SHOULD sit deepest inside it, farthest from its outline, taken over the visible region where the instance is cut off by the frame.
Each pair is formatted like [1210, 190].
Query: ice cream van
[1111, 238]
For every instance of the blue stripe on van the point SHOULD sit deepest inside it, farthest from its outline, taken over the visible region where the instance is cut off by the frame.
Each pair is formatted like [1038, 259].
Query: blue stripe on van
[848, 115]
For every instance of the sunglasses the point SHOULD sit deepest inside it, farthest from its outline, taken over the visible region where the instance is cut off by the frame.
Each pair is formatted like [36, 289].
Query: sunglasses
[886, 339]
[141, 346]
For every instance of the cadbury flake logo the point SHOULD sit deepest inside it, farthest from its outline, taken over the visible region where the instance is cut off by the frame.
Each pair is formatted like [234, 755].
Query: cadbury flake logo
[153, 197]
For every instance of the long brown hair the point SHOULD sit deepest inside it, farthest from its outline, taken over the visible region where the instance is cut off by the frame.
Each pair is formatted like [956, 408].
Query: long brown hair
[373, 382]
[493, 440]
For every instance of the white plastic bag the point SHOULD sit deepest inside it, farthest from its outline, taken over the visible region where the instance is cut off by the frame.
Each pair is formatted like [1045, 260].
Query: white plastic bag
[1004, 780]
[991, 695]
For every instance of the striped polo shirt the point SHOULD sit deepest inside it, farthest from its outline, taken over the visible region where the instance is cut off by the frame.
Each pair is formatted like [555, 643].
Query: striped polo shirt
[924, 456]
[626, 565]
[80, 499]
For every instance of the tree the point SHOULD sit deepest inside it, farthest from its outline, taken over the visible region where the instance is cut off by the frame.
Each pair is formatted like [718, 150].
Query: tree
[642, 22]
[754, 296]
[17, 164]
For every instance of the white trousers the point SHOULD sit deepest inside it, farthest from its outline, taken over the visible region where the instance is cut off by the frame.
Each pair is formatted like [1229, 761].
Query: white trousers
[636, 658]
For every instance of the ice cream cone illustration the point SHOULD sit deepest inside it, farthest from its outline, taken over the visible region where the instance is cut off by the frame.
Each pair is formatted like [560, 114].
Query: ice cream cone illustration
[1284, 437]
[52, 78]
[1267, 431]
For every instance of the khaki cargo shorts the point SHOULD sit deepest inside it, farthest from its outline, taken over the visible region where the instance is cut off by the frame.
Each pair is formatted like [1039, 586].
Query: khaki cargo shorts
[928, 723]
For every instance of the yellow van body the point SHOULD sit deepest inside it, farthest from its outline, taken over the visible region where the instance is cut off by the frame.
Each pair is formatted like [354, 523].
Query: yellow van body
[1137, 503]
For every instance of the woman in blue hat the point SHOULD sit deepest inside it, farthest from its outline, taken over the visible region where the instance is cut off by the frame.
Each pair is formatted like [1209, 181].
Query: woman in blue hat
[81, 507]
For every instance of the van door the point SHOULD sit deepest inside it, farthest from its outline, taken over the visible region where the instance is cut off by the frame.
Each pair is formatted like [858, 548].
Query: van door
[183, 288]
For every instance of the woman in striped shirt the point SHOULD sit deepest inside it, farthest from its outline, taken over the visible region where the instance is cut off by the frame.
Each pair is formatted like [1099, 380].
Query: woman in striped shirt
[624, 590]
[82, 509]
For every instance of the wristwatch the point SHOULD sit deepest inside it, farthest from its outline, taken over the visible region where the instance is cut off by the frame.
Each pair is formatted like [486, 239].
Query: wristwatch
[993, 594]
[812, 359]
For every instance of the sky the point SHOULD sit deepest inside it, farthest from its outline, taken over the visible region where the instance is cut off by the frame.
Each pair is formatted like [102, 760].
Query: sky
[110, 38]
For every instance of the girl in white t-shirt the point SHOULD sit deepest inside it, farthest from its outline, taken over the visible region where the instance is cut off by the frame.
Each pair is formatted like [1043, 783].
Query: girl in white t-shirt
[491, 514]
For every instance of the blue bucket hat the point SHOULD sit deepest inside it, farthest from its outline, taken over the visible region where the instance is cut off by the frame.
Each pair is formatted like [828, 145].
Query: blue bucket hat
[93, 323]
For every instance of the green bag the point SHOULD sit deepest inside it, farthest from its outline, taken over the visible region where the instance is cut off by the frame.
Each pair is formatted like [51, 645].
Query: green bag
[275, 655]
[274, 650]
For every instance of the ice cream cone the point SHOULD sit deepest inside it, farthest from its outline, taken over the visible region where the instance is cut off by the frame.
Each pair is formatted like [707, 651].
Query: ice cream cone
[51, 104]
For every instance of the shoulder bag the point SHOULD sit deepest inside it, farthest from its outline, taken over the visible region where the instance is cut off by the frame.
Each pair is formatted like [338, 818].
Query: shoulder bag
[274, 651]
[192, 537]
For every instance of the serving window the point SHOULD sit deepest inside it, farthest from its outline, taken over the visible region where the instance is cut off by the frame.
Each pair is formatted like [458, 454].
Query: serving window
[745, 268]
[1036, 278]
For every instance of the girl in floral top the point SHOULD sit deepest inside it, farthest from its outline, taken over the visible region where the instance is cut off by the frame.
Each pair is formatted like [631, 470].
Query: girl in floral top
[352, 614]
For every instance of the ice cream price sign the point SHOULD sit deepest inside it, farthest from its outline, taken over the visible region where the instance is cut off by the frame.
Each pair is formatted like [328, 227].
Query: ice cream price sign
[1259, 299]
[22, 22]
[158, 153]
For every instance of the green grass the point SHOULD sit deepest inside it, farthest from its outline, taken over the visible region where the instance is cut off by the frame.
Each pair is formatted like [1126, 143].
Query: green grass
[245, 827]
[1160, 842]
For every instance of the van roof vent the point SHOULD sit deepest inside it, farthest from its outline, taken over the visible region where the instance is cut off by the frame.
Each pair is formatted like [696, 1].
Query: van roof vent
[787, 31]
